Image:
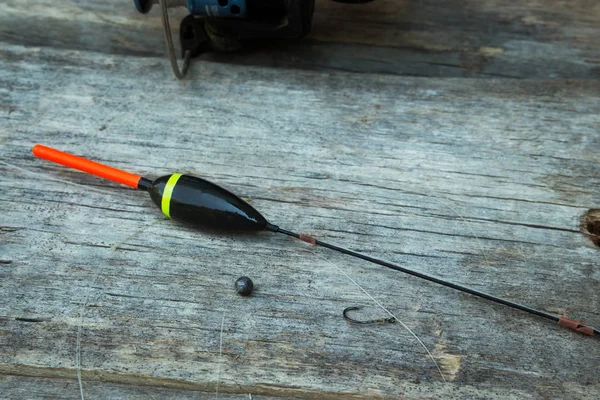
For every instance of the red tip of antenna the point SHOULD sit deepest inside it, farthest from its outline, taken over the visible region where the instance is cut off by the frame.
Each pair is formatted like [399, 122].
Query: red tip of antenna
[85, 165]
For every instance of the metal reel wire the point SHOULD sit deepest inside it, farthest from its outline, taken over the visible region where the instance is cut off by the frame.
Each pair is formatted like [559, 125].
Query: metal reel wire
[180, 74]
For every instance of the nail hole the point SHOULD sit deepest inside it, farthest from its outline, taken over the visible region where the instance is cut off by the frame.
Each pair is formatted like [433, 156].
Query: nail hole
[235, 9]
[590, 225]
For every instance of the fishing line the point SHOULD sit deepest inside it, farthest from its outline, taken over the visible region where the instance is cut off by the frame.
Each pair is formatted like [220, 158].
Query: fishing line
[384, 309]
[220, 357]
[85, 303]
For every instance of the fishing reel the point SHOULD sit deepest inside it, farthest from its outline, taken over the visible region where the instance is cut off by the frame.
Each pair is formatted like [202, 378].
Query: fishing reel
[224, 25]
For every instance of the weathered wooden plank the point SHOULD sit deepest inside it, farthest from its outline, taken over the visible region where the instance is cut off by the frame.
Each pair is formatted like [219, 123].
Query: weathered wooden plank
[520, 39]
[478, 181]
[25, 387]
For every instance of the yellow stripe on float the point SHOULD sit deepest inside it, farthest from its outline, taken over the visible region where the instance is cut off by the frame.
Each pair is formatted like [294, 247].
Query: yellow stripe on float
[166, 199]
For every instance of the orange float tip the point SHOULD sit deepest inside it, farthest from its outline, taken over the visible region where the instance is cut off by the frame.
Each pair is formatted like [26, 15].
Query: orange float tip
[85, 165]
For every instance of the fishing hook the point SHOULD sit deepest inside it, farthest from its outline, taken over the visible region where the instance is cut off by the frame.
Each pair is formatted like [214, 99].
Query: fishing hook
[390, 320]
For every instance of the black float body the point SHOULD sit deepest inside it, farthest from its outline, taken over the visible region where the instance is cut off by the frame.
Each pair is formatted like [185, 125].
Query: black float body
[202, 204]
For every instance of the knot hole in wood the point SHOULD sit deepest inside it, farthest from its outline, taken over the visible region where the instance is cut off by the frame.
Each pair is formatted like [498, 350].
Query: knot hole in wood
[590, 225]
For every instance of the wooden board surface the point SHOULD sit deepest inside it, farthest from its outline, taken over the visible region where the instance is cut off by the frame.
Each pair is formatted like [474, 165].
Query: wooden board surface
[490, 197]
[480, 181]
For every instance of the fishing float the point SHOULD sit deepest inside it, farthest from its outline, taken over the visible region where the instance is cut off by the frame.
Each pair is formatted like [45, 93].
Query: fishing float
[204, 205]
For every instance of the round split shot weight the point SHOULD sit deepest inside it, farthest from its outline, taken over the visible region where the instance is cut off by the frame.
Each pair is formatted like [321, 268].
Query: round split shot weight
[244, 286]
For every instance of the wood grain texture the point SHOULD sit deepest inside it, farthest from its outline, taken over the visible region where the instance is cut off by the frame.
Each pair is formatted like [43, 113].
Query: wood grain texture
[482, 182]
[468, 38]
[24, 387]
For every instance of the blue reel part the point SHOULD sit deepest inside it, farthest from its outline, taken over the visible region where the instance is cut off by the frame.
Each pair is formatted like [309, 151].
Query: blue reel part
[218, 8]
[211, 8]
